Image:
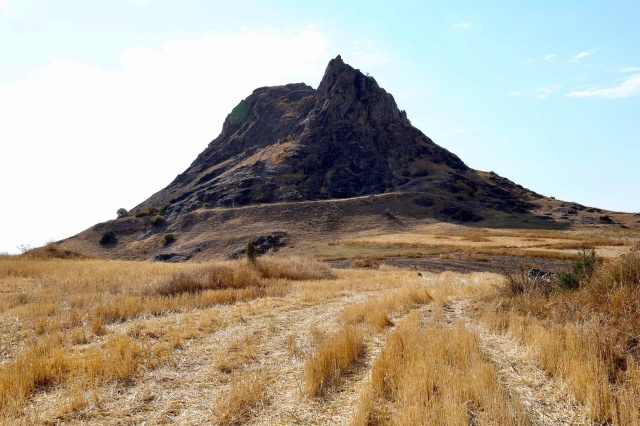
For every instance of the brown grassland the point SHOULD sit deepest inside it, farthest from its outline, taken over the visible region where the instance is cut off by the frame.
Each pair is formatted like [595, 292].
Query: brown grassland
[288, 340]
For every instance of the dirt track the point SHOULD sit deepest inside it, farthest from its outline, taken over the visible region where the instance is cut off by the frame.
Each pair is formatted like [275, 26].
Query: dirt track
[497, 264]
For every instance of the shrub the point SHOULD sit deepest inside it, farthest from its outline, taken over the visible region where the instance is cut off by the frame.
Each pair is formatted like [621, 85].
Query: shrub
[147, 212]
[122, 213]
[108, 237]
[606, 219]
[158, 220]
[164, 208]
[581, 270]
[168, 238]
[252, 254]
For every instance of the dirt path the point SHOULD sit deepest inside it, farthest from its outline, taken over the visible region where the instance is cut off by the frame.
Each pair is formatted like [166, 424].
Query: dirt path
[185, 390]
[546, 402]
[336, 408]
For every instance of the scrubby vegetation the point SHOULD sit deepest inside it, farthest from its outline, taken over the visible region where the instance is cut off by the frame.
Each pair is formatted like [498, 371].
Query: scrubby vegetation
[108, 237]
[168, 238]
[149, 211]
[158, 220]
[586, 332]
[164, 208]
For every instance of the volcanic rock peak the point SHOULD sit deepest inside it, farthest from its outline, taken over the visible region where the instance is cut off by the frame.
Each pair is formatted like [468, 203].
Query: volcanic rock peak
[289, 143]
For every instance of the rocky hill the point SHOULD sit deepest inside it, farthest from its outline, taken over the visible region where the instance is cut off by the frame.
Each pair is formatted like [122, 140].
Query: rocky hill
[291, 143]
[291, 156]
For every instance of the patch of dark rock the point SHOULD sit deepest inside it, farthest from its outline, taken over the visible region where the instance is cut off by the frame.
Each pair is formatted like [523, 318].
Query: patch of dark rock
[459, 213]
[606, 219]
[262, 244]
[145, 235]
[172, 257]
[424, 201]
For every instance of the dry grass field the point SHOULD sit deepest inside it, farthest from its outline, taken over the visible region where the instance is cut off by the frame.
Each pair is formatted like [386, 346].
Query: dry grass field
[288, 340]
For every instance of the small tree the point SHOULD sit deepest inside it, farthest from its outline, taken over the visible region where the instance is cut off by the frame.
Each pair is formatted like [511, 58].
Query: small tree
[122, 213]
[252, 253]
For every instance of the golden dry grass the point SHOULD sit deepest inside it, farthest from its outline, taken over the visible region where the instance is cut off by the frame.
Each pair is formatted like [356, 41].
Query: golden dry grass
[59, 316]
[247, 395]
[332, 359]
[376, 312]
[75, 333]
[588, 337]
[447, 239]
[435, 376]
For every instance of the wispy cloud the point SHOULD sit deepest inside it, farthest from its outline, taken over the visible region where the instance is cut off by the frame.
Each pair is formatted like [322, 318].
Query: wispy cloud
[629, 69]
[578, 56]
[543, 92]
[628, 87]
[461, 26]
[550, 57]
[514, 94]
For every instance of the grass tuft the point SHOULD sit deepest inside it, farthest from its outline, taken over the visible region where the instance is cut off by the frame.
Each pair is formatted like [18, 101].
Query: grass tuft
[332, 359]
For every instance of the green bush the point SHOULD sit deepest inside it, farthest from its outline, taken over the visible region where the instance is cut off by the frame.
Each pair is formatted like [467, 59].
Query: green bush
[158, 220]
[164, 208]
[122, 213]
[582, 269]
[168, 238]
[108, 237]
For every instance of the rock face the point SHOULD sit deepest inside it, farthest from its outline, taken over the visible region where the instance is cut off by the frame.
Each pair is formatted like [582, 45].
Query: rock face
[290, 143]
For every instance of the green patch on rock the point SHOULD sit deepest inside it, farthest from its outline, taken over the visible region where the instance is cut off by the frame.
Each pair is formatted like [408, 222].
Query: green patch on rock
[239, 113]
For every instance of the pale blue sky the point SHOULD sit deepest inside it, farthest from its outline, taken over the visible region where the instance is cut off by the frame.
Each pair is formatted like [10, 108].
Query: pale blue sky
[103, 103]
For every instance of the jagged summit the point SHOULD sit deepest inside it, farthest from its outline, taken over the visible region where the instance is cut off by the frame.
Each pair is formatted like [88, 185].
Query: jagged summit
[289, 143]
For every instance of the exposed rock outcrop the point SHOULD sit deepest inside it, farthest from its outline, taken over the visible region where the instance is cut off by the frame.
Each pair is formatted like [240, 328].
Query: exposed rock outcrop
[289, 143]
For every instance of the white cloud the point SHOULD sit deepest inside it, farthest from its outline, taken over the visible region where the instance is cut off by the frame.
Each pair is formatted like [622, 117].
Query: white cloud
[543, 92]
[578, 56]
[461, 26]
[550, 57]
[5, 7]
[514, 94]
[629, 69]
[628, 87]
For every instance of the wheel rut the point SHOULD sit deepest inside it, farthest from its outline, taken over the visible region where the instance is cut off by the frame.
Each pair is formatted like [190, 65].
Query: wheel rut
[545, 401]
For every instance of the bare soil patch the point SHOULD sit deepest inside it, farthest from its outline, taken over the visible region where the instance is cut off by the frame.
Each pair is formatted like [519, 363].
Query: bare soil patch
[464, 264]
